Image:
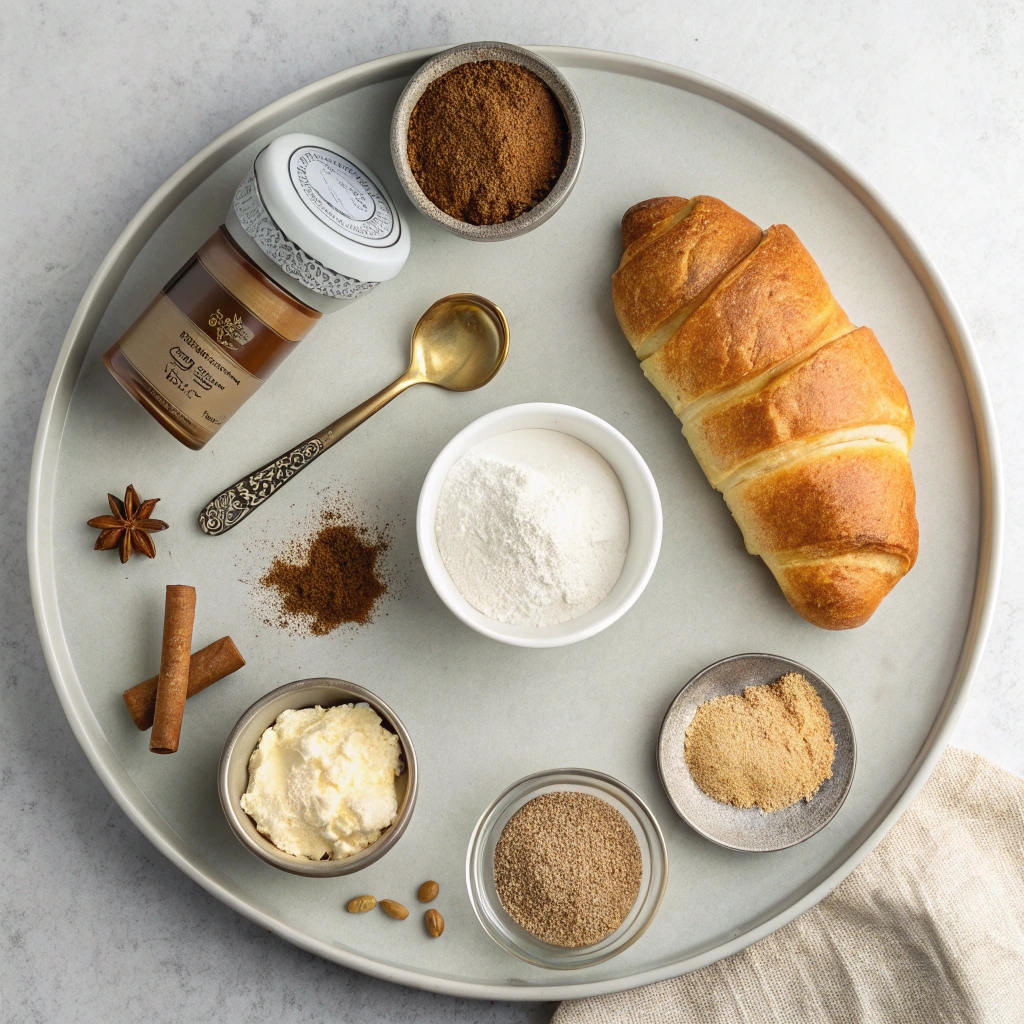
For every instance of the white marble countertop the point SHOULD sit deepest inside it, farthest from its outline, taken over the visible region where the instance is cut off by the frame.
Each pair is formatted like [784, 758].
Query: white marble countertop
[101, 102]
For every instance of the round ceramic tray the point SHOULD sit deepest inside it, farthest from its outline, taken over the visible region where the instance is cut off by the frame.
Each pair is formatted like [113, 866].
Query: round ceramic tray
[483, 714]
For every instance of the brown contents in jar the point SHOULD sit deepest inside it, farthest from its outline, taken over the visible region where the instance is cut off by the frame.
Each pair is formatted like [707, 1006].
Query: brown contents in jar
[225, 326]
[768, 748]
[567, 867]
[487, 141]
[338, 582]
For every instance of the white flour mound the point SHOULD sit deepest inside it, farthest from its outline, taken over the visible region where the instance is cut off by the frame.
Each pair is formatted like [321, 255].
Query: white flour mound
[533, 527]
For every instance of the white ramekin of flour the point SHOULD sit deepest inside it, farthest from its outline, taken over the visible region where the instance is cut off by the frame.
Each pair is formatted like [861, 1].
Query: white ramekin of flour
[539, 539]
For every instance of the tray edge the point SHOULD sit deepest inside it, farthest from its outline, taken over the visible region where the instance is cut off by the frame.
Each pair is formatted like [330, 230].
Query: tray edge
[134, 236]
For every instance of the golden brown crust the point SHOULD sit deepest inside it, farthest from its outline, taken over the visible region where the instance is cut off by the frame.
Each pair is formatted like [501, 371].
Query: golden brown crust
[841, 592]
[771, 307]
[851, 497]
[694, 245]
[847, 385]
[646, 218]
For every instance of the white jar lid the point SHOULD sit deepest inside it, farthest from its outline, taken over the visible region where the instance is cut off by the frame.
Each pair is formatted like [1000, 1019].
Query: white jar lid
[321, 216]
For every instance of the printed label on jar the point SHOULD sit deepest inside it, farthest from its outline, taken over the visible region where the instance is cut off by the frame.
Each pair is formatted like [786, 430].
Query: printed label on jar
[340, 195]
[186, 367]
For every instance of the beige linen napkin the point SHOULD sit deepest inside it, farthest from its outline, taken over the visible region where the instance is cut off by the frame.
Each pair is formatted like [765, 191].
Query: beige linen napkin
[930, 927]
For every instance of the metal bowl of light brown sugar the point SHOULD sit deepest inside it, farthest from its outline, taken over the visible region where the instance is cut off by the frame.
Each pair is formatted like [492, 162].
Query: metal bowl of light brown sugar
[748, 828]
[475, 201]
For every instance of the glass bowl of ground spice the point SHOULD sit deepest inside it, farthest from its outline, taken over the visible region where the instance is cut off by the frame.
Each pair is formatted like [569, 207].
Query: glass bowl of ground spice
[487, 140]
[566, 868]
[757, 753]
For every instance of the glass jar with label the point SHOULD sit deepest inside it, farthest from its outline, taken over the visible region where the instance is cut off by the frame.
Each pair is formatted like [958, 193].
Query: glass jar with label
[310, 229]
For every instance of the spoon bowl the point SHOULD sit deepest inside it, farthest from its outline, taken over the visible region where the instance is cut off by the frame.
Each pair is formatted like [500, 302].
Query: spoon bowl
[459, 343]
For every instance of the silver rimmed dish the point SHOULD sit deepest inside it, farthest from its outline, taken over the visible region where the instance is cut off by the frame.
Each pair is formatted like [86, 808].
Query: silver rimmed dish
[233, 774]
[750, 829]
[483, 894]
[441, 64]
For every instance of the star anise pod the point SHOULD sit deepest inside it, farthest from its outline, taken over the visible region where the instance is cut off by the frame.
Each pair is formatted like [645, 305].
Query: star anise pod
[129, 527]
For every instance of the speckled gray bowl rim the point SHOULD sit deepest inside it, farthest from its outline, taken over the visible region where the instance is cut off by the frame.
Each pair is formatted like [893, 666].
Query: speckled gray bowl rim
[290, 696]
[766, 833]
[467, 53]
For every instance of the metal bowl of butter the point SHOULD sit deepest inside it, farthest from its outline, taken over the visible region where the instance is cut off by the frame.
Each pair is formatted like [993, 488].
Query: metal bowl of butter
[233, 774]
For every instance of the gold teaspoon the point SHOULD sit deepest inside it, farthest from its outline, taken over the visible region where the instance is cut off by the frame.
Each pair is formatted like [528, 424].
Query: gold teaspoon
[459, 343]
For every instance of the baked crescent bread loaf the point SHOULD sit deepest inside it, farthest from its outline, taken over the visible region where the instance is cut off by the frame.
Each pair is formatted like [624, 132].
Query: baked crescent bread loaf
[795, 415]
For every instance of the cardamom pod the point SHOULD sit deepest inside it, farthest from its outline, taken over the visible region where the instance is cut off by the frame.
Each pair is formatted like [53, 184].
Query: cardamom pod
[361, 904]
[393, 909]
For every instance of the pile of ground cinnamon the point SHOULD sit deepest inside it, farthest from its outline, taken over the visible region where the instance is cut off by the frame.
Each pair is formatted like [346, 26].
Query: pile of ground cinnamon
[487, 141]
[768, 748]
[338, 582]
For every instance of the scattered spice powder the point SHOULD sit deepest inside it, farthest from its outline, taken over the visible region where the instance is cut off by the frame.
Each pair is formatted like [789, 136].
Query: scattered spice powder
[768, 748]
[487, 141]
[567, 867]
[338, 582]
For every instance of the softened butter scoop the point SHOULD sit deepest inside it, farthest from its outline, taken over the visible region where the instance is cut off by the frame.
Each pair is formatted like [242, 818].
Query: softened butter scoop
[322, 781]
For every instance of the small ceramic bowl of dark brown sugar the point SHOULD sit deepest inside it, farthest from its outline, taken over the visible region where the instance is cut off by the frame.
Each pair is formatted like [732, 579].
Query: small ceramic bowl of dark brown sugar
[487, 140]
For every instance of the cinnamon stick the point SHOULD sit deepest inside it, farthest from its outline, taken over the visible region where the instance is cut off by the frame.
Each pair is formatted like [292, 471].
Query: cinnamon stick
[172, 683]
[206, 667]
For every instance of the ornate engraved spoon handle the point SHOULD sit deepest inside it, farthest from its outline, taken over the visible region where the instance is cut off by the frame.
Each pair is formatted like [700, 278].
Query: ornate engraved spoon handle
[231, 506]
